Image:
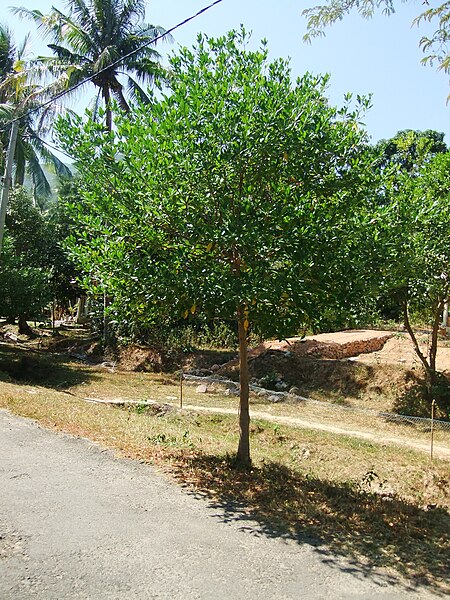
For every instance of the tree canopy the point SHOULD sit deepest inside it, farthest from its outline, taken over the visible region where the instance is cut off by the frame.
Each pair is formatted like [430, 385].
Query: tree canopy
[88, 41]
[230, 195]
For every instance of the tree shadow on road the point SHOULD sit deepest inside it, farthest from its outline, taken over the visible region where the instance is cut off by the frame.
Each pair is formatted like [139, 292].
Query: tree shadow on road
[28, 367]
[352, 529]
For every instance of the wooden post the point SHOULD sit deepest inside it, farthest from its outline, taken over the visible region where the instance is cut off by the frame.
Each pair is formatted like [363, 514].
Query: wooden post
[432, 429]
[181, 388]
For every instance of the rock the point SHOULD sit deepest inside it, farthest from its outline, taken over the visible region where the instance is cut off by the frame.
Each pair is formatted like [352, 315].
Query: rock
[11, 337]
[107, 364]
[280, 386]
[274, 398]
[295, 390]
[202, 389]
[215, 368]
[305, 453]
[232, 391]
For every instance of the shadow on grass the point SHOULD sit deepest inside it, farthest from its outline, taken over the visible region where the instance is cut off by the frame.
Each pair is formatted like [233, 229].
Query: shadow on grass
[353, 530]
[47, 370]
[413, 401]
[310, 374]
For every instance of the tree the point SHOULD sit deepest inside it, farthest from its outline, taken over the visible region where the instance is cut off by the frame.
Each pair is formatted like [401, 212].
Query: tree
[24, 276]
[34, 269]
[415, 244]
[435, 47]
[409, 150]
[18, 94]
[94, 35]
[234, 195]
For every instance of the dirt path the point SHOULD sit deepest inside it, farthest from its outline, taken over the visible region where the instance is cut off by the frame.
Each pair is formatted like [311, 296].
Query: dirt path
[75, 522]
[439, 450]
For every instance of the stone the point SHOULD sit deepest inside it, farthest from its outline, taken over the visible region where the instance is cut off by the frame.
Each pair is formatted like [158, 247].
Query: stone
[295, 390]
[215, 368]
[280, 386]
[202, 389]
[274, 398]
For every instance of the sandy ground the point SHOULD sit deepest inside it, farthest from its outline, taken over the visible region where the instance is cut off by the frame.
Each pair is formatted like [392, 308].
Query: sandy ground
[399, 350]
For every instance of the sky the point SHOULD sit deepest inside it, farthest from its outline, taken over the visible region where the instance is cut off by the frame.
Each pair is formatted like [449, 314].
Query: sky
[380, 56]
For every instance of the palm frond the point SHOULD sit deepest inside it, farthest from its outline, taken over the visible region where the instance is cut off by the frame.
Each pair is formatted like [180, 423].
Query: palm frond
[24, 47]
[41, 185]
[136, 92]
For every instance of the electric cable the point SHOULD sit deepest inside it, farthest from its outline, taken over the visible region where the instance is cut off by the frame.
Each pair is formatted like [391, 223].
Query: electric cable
[113, 64]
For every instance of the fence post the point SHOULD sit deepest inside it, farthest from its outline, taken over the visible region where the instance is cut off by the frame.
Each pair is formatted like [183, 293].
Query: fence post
[432, 428]
[181, 388]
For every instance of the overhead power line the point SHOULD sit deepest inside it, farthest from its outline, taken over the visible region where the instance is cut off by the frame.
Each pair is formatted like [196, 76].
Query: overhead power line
[113, 64]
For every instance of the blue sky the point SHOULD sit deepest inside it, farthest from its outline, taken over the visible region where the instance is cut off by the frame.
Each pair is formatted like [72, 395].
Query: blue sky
[380, 56]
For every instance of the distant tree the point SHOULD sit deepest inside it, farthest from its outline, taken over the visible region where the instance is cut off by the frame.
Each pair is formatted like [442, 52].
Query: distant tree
[34, 269]
[409, 150]
[234, 195]
[19, 93]
[93, 35]
[435, 47]
[414, 241]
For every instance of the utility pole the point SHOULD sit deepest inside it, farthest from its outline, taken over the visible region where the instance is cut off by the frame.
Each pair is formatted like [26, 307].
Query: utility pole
[7, 178]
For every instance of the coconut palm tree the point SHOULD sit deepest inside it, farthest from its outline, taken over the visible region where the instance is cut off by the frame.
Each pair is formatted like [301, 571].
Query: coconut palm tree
[90, 38]
[18, 94]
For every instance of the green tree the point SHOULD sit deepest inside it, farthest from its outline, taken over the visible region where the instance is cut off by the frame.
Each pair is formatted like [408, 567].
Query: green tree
[19, 94]
[234, 195]
[409, 150]
[34, 269]
[93, 35]
[415, 246]
[435, 47]
[24, 276]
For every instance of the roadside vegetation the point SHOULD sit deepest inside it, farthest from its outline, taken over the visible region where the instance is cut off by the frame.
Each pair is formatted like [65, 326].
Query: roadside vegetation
[211, 206]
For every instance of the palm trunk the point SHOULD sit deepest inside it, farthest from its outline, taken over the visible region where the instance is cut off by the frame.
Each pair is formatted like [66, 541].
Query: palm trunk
[107, 98]
[243, 459]
[7, 177]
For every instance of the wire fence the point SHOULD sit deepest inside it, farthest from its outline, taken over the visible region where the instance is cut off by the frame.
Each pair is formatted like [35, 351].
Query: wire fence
[422, 423]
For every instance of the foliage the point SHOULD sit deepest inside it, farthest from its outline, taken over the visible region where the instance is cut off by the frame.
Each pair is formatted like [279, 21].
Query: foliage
[400, 158]
[34, 269]
[91, 37]
[18, 94]
[24, 280]
[244, 198]
[234, 195]
[435, 47]
[409, 150]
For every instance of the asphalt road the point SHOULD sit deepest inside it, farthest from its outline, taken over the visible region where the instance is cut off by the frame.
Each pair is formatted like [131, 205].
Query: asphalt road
[76, 522]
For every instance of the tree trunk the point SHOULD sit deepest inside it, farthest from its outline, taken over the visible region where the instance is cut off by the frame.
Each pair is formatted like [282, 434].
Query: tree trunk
[107, 98]
[7, 177]
[24, 328]
[410, 331]
[434, 335]
[243, 454]
[81, 310]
